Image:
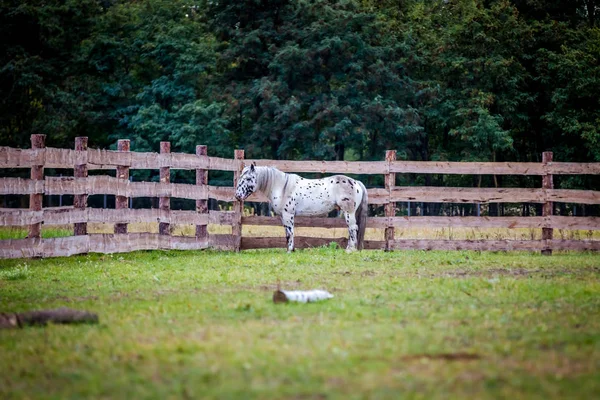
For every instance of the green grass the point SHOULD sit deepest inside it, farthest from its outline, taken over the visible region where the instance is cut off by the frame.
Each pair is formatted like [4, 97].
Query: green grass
[21, 233]
[401, 325]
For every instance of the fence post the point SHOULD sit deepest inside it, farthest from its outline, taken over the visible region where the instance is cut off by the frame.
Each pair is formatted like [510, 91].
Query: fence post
[121, 202]
[201, 205]
[547, 183]
[390, 207]
[164, 203]
[80, 171]
[37, 174]
[238, 205]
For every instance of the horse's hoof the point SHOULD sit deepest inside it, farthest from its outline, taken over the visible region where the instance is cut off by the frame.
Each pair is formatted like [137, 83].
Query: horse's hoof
[350, 251]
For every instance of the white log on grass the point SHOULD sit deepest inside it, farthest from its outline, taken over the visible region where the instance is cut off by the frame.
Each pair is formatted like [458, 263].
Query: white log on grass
[300, 296]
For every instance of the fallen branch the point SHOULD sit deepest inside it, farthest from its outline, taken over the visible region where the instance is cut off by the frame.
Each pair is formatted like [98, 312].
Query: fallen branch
[43, 317]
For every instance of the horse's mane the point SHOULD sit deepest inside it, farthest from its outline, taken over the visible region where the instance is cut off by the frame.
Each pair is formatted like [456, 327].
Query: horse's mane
[267, 176]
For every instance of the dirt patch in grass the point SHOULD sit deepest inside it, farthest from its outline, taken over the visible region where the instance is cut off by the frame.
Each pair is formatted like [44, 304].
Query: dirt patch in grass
[514, 272]
[552, 364]
[443, 357]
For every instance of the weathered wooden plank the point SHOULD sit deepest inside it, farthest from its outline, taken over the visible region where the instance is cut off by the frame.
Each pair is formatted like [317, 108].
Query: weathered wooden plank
[494, 168]
[37, 247]
[108, 159]
[110, 243]
[221, 217]
[148, 160]
[223, 242]
[573, 196]
[20, 217]
[70, 215]
[494, 245]
[548, 184]
[122, 202]
[330, 167]
[557, 222]
[567, 168]
[164, 202]
[466, 168]
[303, 242]
[390, 206]
[573, 223]
[20, 158]
[483, 195]
[49, 157]
[80, 171]
[37, 174]
[238, 205]
[222, 193]
[120, 243]
[574, 245]
[468, 195]
[321, 222]
[124, 188]
[201, 205]
[110, 185]
[188, 243]
[20, 186]
[223, 164]
[98, 243]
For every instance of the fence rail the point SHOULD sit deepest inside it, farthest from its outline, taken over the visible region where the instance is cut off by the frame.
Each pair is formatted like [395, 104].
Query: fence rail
[95, 185]
[82, 159]
[108, 159]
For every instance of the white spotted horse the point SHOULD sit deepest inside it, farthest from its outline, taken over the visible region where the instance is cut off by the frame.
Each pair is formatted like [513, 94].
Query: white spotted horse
[292, 195]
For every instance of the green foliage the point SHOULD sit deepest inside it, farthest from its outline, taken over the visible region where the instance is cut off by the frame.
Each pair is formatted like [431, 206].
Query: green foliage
[310, 79]
[472, 81]
[43, 82]
[574, 112]
[157, 57]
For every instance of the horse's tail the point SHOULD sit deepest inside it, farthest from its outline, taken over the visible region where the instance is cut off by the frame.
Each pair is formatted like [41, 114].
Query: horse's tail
[361, 217]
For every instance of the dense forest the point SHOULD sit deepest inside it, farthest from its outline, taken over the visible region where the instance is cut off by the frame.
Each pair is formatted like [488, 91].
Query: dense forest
[469, 80]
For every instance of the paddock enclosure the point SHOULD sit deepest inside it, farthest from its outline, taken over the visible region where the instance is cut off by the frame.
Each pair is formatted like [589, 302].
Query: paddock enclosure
[81, 160]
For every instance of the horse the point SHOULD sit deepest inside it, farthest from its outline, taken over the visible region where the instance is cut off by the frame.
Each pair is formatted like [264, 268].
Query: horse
[292, 195]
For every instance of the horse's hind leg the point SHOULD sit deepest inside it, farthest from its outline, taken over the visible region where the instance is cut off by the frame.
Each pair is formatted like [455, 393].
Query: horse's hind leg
[352, 231]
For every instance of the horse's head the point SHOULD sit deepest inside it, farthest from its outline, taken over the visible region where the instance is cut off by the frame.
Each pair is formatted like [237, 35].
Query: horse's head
[247, 183]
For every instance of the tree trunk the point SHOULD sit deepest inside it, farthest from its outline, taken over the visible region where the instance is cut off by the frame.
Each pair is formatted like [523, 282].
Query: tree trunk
[43, 317]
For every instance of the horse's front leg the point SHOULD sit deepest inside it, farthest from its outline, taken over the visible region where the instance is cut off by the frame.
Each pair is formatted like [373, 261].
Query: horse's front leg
[288, 223]
[352, 231]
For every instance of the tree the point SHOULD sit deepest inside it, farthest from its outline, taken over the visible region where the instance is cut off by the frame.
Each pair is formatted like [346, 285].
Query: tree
[466, 59]
[42, 77]
[311, 79]
[157, 59]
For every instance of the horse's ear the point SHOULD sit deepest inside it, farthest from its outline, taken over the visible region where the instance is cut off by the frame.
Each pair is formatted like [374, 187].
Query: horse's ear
[252, 167]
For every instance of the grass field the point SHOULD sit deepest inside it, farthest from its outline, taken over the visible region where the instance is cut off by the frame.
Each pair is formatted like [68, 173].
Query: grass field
[401, 325]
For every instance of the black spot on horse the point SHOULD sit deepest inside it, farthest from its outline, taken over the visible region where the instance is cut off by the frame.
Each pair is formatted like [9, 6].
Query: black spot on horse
[345, 199]
[344, 181]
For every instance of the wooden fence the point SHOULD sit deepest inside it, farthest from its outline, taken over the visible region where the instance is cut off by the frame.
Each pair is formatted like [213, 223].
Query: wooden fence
[81, 160]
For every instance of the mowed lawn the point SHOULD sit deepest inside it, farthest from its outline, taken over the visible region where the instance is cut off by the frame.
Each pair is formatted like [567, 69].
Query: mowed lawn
[404, 325]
